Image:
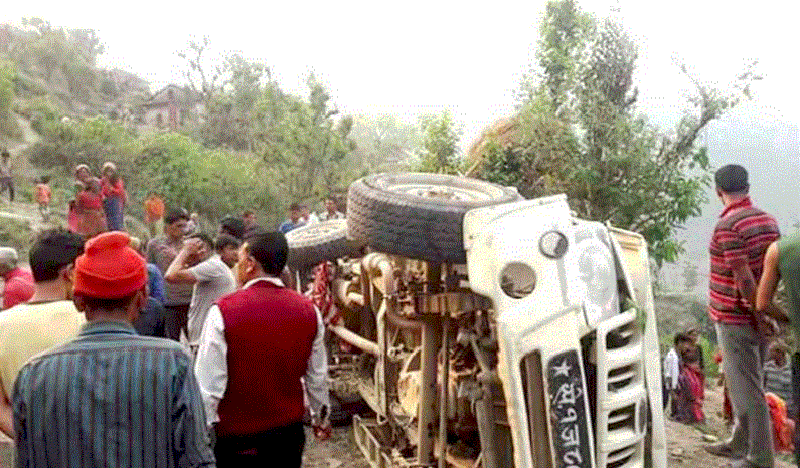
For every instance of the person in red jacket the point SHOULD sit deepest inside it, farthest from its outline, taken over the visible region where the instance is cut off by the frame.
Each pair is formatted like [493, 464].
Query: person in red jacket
[91, 219]
[18, 281]
[257, 345]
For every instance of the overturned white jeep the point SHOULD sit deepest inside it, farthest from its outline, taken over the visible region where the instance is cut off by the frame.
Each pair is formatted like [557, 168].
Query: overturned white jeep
[486, 330]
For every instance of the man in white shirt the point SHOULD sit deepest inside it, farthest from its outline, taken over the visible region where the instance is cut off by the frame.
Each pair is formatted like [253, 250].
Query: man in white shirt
[197, 263]
[308, 218]
[257, 345]
[671, 374]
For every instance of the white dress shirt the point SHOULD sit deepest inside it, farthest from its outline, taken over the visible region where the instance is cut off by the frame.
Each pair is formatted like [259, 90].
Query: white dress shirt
[671, 369]
[211, 365]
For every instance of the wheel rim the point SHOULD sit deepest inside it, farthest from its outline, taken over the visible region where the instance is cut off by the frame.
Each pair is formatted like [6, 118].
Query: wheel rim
[446, 189]
[321, 229]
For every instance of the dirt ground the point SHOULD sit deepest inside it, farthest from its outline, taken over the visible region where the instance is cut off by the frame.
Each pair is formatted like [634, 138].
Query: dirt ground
[685, 443]
[339, 451]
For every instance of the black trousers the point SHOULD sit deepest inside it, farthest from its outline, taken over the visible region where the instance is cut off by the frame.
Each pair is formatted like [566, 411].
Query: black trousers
[175, 319]
[281, 447]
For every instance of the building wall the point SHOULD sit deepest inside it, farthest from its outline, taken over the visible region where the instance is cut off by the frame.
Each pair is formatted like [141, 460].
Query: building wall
[185, 114]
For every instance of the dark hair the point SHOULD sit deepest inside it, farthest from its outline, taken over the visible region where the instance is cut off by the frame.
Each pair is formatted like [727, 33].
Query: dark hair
[176, 214]
[732, 178]
[294, 207]
[233, 226]
[96, 303]
[203, 237]
[270, 249]
[45, 179]
[53, 250]
[226, 240]
[247, 213]
[682, 338]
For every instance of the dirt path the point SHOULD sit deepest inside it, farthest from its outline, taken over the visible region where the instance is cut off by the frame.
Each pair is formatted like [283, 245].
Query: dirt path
[339, 451]
[685, 443]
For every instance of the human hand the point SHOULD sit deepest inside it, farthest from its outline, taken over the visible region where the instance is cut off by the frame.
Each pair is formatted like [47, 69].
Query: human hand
[167, 251]
[193, 245]
[776, 313]
[323, 431]
[321, 424]
[766, 326]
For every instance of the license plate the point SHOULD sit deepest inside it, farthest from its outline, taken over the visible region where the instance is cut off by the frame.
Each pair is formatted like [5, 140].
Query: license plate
[568, 411]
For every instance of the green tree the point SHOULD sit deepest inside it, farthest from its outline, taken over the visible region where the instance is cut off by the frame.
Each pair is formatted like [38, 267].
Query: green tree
[65, 58]
[8, 125]
[577, 130]
[384, 143]
[229, 86]
[302, 141]
[204, 74]
[440, 137]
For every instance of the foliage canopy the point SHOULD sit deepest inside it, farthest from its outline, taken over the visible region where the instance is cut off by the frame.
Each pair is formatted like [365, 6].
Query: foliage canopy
[577, 130]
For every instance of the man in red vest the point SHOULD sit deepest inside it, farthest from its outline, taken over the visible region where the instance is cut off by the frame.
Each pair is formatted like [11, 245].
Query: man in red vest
[256, 346]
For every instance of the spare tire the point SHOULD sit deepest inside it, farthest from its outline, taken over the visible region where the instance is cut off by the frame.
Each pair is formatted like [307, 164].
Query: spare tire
[319, 242]
[418, 215]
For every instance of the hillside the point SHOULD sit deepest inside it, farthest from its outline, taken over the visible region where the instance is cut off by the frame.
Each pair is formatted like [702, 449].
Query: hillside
[43, 67]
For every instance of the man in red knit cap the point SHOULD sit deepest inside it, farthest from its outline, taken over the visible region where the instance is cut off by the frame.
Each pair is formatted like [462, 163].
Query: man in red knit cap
[256, 346]
[110, 397]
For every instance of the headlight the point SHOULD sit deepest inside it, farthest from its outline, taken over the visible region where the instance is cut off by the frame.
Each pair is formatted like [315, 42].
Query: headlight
[595, 282]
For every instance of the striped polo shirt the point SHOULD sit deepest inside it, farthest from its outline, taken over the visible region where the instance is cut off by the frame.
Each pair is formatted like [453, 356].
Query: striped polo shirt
[741, 235]
[110, 398]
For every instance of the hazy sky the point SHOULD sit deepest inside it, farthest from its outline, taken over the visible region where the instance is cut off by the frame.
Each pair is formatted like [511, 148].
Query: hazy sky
[416, 56]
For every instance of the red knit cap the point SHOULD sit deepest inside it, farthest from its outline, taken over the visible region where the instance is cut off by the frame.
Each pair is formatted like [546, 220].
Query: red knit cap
[109, 268]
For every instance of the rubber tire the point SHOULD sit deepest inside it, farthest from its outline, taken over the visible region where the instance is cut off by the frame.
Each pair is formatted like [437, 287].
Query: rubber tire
[320, 242]
[391, 214]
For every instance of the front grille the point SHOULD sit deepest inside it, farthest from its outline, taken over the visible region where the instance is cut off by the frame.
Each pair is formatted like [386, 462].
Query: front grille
[622, 418]
[621, 377]
[622, 457]
[621, 393]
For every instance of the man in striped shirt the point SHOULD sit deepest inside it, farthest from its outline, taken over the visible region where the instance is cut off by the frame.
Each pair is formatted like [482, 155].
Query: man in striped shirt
[740, 239]
[110, 397]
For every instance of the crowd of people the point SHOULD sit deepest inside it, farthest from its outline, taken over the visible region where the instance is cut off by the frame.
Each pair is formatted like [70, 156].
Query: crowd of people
[192, 350]
[185, 350]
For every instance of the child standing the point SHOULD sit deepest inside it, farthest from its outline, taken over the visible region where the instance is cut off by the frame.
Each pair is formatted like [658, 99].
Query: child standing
[43, 195]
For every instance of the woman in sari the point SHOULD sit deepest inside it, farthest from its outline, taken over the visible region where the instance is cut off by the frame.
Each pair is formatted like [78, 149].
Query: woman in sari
[89, 208]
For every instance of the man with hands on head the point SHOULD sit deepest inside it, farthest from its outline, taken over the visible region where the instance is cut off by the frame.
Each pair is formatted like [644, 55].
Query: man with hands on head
[197, 263]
